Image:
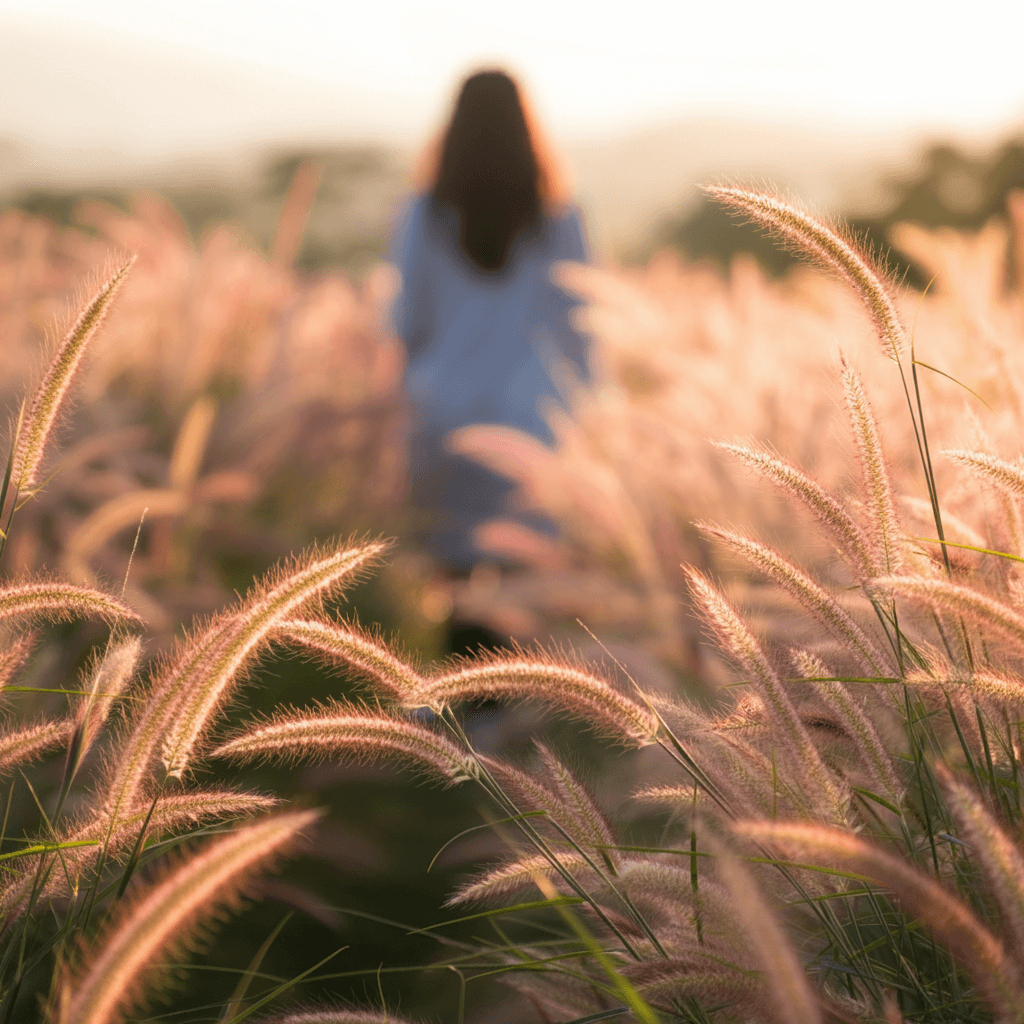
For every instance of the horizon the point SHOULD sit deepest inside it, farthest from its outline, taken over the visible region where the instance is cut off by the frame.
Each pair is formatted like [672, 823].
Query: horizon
[162, 80]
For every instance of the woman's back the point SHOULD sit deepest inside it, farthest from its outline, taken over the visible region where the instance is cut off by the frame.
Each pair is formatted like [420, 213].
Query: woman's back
[485, 328]
[481, 345]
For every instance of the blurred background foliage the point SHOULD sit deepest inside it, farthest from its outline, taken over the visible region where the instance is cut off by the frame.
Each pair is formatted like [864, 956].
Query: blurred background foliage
[950, 187]
[361, 185]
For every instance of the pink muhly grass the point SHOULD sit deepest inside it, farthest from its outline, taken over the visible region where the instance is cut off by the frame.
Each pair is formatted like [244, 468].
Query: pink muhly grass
[1000, 858]
[31, 742]
[61, 602]
[984, 611]
[995, 974]
[738, 642]
[557, 683]
[852, 542]
[813, 597]
[335, 730]
[826, 245]
[116, 970]
[518, 875]
[389, 675]
[790, 992]
[15, 654]
[204, 691]
[886, 532]
[53, 391]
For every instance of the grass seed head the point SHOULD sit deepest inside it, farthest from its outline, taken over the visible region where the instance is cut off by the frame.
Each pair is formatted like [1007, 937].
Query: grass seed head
[61, 602]
[830, 514]
[116, 970]
[205, 690]
[390, 677]
[32, 742]
[52, 395]
[948, 918]
[886, 531]
[337, 730]
[558, 683]
[828, 246]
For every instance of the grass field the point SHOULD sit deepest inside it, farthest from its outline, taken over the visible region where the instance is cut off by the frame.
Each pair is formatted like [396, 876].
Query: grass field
[761, 752]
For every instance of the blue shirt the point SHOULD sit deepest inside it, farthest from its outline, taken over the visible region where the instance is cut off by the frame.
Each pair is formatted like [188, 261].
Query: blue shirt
[481, 346]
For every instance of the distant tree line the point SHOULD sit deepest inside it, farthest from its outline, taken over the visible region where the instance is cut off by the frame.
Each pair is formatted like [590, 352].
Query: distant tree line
[347, 227]
[953, 188]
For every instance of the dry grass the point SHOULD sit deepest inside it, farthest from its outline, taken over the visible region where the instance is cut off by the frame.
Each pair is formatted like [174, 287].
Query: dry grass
[844, 839]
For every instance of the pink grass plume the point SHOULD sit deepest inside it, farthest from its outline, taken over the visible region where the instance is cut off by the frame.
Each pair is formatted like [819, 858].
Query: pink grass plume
[118, 968]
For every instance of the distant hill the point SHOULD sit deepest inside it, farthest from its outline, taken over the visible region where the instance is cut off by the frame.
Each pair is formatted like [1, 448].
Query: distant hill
[638, 191]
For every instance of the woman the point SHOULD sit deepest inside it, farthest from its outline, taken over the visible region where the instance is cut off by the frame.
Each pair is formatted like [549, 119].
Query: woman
[484, 326]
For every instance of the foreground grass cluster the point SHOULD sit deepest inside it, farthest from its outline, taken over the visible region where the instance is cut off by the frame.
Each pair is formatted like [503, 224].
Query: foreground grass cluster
[843, 840]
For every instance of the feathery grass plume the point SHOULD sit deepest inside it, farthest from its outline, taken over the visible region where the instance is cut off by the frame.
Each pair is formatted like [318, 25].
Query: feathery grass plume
[701, 976]
[738, 642]
[528, 791]
[576, 799]
[356, 648]
[15, 653]
[110, 676]
[333, 730]
[747, 778]
[25, 744]
[117, 970]
[204, 691]
[334, 1015]
[171, 815]
[1000, 859]
[875, 758]
[560, 684]
[998, 472]
[886, 533]
[960, 600]
[813, 597]
[981, 684]
[850, 538]
[788, 988]
[825, 244]
[514, 876]
[669, 885]
[129, 765]
[1007, 480]
[55, 387]
[746, 775]
[952, 922]
[61, 602]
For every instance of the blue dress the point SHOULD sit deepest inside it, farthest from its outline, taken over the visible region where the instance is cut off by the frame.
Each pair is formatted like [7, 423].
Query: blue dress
[481, 346]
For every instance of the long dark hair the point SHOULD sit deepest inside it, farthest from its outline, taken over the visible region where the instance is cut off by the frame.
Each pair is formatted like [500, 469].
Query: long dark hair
[488, 172]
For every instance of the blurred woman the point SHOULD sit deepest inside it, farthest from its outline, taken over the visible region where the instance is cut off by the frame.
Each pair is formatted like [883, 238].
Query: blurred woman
[486, 330]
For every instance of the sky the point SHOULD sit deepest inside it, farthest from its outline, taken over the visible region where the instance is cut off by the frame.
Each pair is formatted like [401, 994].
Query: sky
[156, 75]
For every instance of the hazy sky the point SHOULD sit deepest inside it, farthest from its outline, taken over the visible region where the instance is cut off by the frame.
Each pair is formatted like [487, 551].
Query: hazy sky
[162, 73]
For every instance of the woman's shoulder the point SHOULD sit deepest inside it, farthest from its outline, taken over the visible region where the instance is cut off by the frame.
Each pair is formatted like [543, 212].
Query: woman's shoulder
[566, 232]
[564, 212]
[417, 225]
